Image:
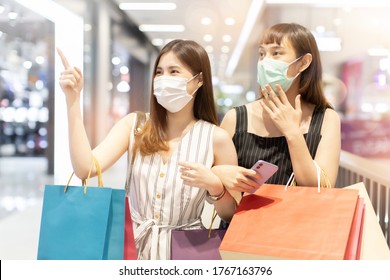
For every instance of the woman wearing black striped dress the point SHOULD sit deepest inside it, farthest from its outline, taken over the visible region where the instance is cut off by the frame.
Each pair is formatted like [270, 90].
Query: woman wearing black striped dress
[291, 124]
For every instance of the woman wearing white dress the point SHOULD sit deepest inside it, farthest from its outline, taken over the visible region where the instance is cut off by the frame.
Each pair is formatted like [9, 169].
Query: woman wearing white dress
[174, 152]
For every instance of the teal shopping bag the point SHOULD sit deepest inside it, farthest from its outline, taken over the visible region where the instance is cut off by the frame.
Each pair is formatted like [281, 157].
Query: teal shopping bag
[80, 223]
[77, 225]
[115, 239]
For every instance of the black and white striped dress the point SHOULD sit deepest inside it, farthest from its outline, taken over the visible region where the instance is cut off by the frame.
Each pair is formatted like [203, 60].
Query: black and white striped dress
[251, 147]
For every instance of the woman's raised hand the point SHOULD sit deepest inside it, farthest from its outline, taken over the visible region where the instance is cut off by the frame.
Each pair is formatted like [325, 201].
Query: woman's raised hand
[71, 79]
[286, 117]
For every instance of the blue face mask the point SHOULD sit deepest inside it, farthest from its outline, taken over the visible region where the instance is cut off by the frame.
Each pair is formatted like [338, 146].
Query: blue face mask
[272, 72]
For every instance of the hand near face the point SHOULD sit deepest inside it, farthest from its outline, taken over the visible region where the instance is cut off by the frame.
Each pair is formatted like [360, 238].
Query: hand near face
[71, 79]
[285, 117]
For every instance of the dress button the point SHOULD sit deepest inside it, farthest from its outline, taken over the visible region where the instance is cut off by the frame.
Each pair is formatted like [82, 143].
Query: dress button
[162, 174]
[158, 195]
[156, 216]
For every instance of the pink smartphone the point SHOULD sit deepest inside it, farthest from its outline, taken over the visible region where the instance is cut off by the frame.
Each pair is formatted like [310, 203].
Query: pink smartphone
[265, 169]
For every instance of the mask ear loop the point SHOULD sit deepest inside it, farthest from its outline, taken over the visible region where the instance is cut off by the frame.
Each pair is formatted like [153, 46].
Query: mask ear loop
[304, 65]
[292, 62]
[189, 80]
[199, 84]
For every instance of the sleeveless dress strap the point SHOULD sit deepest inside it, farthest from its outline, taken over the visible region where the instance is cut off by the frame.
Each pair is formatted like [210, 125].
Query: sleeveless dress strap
[313, 136]
[242, 119]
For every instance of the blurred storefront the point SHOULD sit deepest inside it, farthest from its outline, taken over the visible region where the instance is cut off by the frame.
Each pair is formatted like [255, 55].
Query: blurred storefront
[366, 123]
[26, 84]
[115, 55]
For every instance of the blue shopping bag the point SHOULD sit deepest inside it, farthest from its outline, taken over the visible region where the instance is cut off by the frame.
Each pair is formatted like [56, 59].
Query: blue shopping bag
[82, 223]
[77, 226]
[115, 239]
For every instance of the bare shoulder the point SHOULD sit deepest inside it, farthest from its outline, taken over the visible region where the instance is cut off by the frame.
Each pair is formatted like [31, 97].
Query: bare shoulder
[331, 121]
[229, 122]
[331, 116]
[126, 123]
[220, 135]
[128, 120]
[229, 116]
[224, 151]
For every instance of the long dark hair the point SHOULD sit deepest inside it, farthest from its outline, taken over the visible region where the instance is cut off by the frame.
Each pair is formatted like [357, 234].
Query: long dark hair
[303, 42]
[193, 56]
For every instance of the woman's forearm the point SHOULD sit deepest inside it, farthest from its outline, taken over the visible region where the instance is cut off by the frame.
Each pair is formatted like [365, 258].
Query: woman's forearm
[80, 148]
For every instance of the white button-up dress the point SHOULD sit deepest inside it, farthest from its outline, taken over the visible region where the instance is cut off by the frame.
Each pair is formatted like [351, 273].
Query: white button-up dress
[159, 199]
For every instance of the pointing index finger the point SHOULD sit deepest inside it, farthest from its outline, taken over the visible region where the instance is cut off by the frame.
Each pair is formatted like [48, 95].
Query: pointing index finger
[63, 59]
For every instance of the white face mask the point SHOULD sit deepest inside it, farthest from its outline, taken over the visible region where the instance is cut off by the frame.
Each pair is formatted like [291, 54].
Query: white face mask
[171, 92]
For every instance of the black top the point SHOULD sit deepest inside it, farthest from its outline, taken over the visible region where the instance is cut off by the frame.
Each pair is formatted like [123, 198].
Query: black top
[251, 147]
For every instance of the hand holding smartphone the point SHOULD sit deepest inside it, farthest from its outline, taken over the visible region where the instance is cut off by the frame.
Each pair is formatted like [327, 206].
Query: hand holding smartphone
[265, 169]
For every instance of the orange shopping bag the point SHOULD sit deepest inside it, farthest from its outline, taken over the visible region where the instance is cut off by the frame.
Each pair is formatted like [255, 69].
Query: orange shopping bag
[296, 223]
[356, 234]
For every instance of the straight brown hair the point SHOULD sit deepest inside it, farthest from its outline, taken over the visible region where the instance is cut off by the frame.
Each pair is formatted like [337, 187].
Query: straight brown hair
[152, 137]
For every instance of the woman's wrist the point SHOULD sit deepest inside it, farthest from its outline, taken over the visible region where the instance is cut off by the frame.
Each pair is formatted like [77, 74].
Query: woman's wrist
[293, 135]
[213, 198]
[215, 186]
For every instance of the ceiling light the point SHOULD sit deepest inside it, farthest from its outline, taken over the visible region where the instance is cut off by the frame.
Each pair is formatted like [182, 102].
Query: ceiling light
[226, 38]
[328, 44]
[205, 21]
[12, 15]
[40, 60]
[208, 38]
[337, 21]
[27, 64]
[161, 28]
[225, 49]
[124, 70]
[378, 52]
[148, 6]
[230, 21]
[123, 86]
[116, 60]
[209, 49]
[157, 42]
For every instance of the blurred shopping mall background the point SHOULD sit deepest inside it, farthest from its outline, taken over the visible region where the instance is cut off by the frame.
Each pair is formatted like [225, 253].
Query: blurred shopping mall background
[115, 42]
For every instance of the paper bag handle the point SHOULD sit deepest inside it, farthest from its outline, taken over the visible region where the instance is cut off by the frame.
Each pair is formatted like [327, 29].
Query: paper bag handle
[213, 216]
[320, 172]
[85, 181]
